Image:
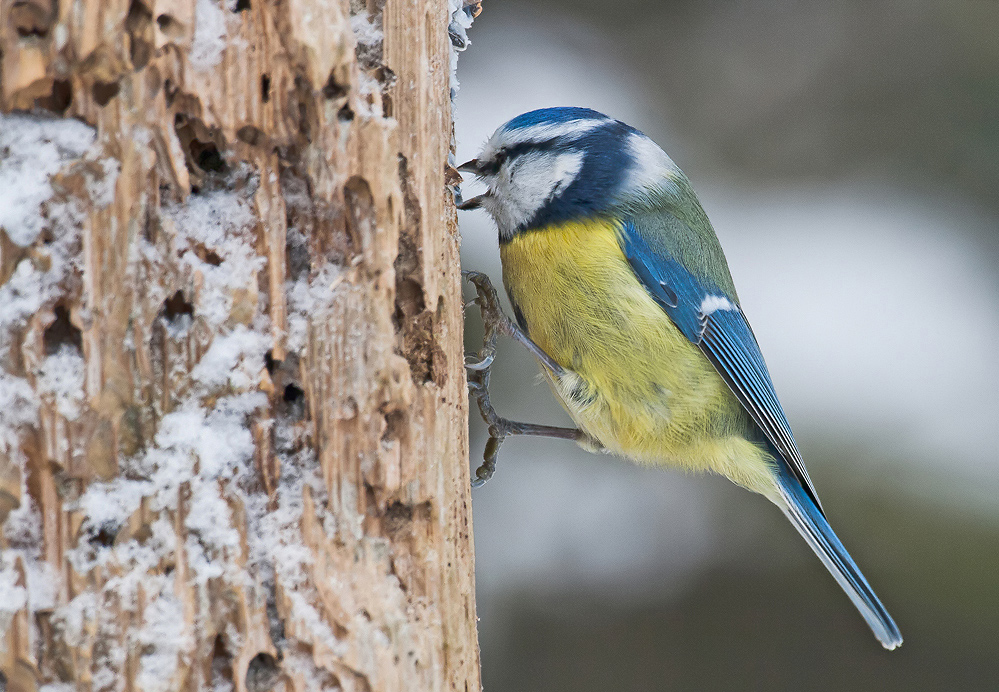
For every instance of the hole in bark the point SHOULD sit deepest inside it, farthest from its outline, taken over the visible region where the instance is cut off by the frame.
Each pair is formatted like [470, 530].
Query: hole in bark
[150, 226]
[169, 26]
[176, 308]
[408, 301]
[297, 253]
[284, 373]
[169, 91]
[59, 99]
[242, 5]
[305, 105]
[208, 157]
[292, 394]
[103, 92]
[62, 332]
[139, 52]
[139, 16]
[395, 422]
[361, 221]
[137, 22]
[202, 145]
[399, 516]
[345, 114]
[332, 89]
[386, 75]
[250, 134]
[104, 534]
[415, 324]
[262, 673]
[265, 88]
[221, 664]
[292, 402]
[209, 257]
[29, 19]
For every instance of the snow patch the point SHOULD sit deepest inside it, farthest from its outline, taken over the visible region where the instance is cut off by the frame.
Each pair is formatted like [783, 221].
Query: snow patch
[18, 408]
[57, 687]
[61, 378]
[32, 149]
[101, 189]
[461, 22]
[72, 618]
[367, 31]
[277, 554]
[203, 442]
[218, 222]
[209, 35]
[310, 299]
[23, 537]
[232, 360]
[12, 596]
[164, 633]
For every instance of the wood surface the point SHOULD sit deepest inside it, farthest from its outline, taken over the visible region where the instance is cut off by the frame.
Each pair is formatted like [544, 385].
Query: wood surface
[260, 479]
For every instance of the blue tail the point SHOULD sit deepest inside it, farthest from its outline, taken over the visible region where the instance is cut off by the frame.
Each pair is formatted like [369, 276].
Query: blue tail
[812, 525]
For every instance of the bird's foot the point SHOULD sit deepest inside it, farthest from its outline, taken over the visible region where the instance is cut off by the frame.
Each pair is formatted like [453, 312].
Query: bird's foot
[496, 322]
[479, 367]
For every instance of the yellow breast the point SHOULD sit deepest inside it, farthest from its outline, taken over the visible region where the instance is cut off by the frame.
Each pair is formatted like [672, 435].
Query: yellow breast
[636, 384]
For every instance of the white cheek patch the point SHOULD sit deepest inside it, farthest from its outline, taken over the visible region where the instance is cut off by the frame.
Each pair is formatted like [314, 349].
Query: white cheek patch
[518, 193]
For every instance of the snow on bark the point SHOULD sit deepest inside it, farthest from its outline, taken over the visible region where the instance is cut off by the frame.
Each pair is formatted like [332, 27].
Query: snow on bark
[232, 411]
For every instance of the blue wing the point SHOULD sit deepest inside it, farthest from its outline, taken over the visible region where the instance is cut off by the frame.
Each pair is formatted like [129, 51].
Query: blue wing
[714, 322]
[712, 319]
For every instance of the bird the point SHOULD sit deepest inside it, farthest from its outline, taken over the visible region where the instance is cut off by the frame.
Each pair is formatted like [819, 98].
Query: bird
[620, 287]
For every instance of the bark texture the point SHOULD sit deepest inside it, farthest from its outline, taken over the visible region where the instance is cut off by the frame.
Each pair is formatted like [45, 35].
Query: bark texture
[233, 442]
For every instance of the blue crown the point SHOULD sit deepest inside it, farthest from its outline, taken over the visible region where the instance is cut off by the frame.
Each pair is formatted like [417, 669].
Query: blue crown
[559, 114]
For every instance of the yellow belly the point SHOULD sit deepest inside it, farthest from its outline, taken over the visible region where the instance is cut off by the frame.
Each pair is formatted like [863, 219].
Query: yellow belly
[636, 383]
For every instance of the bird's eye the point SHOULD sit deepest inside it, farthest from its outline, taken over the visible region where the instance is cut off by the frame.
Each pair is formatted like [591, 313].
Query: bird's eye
[492, 166]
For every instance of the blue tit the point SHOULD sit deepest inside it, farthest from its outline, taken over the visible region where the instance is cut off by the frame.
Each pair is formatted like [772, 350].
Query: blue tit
[617, 280]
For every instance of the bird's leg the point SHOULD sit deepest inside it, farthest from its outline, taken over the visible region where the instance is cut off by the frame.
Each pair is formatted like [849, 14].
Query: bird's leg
[496, 323]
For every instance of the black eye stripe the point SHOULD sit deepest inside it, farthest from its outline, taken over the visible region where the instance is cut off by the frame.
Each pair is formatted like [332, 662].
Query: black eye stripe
[492, 166]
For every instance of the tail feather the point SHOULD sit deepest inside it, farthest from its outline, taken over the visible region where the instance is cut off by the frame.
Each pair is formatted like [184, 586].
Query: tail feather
[812, 525]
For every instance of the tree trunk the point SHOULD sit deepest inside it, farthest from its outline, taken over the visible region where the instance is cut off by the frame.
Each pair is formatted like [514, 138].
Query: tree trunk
[233, 443]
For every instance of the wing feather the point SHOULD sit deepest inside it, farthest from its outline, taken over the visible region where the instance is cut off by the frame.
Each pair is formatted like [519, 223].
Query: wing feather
[725, 338]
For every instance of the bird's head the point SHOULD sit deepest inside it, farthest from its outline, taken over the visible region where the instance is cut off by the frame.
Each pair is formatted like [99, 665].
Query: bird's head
[560, 164]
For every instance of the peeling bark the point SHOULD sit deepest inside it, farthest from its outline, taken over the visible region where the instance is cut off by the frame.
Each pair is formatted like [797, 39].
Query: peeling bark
[233, 442]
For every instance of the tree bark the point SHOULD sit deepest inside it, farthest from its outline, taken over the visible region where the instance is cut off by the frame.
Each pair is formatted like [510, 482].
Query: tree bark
[233, 442]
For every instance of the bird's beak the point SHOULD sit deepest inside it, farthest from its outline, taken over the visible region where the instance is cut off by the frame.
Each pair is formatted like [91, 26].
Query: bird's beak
[470, 167]
[473, 203]
[474, 168]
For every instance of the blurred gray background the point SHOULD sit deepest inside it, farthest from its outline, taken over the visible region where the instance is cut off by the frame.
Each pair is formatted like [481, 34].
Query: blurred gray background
[848, 156]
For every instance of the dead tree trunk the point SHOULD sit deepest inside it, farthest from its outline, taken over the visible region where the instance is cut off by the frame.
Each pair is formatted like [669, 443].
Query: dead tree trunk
[232, 402]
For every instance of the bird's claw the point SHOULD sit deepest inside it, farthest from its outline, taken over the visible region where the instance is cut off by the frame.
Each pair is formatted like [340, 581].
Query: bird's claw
[488, 466]
[479, 365]
[479, 362]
